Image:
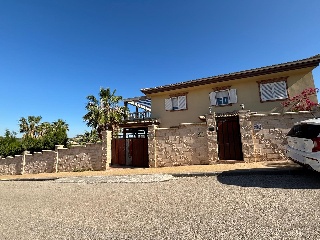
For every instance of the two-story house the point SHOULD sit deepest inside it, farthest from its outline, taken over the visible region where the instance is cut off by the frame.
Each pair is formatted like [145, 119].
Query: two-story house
[258, 90]
[212, 119]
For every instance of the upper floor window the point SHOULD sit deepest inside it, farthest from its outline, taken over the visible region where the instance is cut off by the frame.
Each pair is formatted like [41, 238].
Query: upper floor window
[274, 89]
[223, 97]
[176, 103]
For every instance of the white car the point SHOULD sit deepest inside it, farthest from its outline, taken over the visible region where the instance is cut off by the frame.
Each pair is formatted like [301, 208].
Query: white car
[304, 143]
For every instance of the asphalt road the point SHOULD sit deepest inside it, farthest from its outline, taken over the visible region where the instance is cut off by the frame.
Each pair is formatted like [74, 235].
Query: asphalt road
[215, 207]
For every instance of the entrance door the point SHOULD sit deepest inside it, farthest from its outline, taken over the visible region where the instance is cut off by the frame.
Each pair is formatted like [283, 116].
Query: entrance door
[229, 138]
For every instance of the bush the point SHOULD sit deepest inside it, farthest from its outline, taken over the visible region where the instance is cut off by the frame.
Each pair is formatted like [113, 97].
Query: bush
[32, 144]
[10, 145]
[52, 138]
[44, 137]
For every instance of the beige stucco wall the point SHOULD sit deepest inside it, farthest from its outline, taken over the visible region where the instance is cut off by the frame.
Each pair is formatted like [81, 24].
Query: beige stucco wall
[247, 90]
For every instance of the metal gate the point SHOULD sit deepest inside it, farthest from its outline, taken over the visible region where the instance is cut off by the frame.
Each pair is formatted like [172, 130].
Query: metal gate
[229, 138]
[130, 148]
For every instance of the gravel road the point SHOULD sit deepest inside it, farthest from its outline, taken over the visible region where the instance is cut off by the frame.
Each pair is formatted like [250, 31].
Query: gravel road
[216, 207]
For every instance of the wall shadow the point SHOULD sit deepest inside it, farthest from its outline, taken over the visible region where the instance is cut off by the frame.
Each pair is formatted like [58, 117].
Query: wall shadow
[299, 178]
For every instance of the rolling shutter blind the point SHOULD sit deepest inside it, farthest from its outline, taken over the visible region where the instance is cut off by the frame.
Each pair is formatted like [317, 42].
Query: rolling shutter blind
[168, 104]
[182, 102]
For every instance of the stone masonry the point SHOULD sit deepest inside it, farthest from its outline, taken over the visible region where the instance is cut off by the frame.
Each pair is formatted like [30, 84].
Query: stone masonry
[11, 165]
[263, 138]
[213, 156]
[183, 145]
[39, 162]
[95, 157]
[264, 135]
[80, 158]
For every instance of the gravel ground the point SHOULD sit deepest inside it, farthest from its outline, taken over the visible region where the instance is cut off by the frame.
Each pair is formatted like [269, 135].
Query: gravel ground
[163, 170]
[117, 179]
[221, 207]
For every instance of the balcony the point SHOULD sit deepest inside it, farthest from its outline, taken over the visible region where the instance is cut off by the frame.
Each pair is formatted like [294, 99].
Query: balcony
[136, 116]
[142, 114]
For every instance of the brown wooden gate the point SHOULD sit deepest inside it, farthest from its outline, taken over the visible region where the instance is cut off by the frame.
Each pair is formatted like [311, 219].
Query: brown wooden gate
[229, 138]
[131, 151]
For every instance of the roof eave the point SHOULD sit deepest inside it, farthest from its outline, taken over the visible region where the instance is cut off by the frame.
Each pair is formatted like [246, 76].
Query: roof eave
[233, 76]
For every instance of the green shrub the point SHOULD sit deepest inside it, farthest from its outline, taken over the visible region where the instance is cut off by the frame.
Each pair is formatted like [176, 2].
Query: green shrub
[10, 145]
[37, 137]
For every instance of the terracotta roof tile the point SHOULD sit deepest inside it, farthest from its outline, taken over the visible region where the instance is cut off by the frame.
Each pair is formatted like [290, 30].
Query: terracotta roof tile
[298, 64]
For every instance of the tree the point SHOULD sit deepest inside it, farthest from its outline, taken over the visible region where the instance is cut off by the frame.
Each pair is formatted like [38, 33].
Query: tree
[302, 101]
[44, 128]
[86, 137]
[30, 126]
[105, 113]
[56, 134]
[42, 136]
[10, 145]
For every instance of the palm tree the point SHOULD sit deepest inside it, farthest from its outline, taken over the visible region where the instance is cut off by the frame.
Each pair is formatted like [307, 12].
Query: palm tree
[24, 126]
[30, 126]
[44, 128]
[104, 114]
[60, 125]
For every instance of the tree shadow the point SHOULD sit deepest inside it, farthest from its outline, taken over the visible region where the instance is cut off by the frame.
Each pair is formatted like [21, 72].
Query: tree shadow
[298, 178]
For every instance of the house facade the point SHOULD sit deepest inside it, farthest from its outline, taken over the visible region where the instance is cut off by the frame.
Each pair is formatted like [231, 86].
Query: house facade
[258, 90]
[225, 118]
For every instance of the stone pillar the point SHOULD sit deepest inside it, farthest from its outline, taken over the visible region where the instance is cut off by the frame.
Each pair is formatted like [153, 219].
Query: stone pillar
[23, 171]
[152, 146]
[213, 156]
[246, 131]
[57, 147]
[106, 149]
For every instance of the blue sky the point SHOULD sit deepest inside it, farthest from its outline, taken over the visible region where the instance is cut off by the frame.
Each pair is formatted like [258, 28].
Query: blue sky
[55, 53]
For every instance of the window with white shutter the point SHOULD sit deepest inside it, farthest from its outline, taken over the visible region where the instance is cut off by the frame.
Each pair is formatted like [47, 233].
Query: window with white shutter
[271, 91]
[176, 103]
[182, 102]
[223, 97]
[168, 104]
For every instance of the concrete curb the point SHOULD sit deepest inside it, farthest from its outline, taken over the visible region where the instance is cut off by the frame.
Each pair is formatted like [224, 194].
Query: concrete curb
[29, 179]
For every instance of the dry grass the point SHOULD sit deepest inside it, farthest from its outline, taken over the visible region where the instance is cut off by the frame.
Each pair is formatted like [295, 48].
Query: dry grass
[178, 169]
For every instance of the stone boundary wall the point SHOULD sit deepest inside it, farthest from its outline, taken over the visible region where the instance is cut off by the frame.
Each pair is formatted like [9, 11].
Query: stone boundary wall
[39, 162]
[93, 157]
[264, 135]
[11, 165]
[80, 158]
[183, 145]
[263, 138]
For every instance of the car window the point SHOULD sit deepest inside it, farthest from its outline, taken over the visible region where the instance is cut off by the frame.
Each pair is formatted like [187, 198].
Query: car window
[304, 131]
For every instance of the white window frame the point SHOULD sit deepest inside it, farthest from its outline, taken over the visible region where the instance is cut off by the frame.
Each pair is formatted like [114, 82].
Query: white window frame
[176, 103]
[273, 93]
